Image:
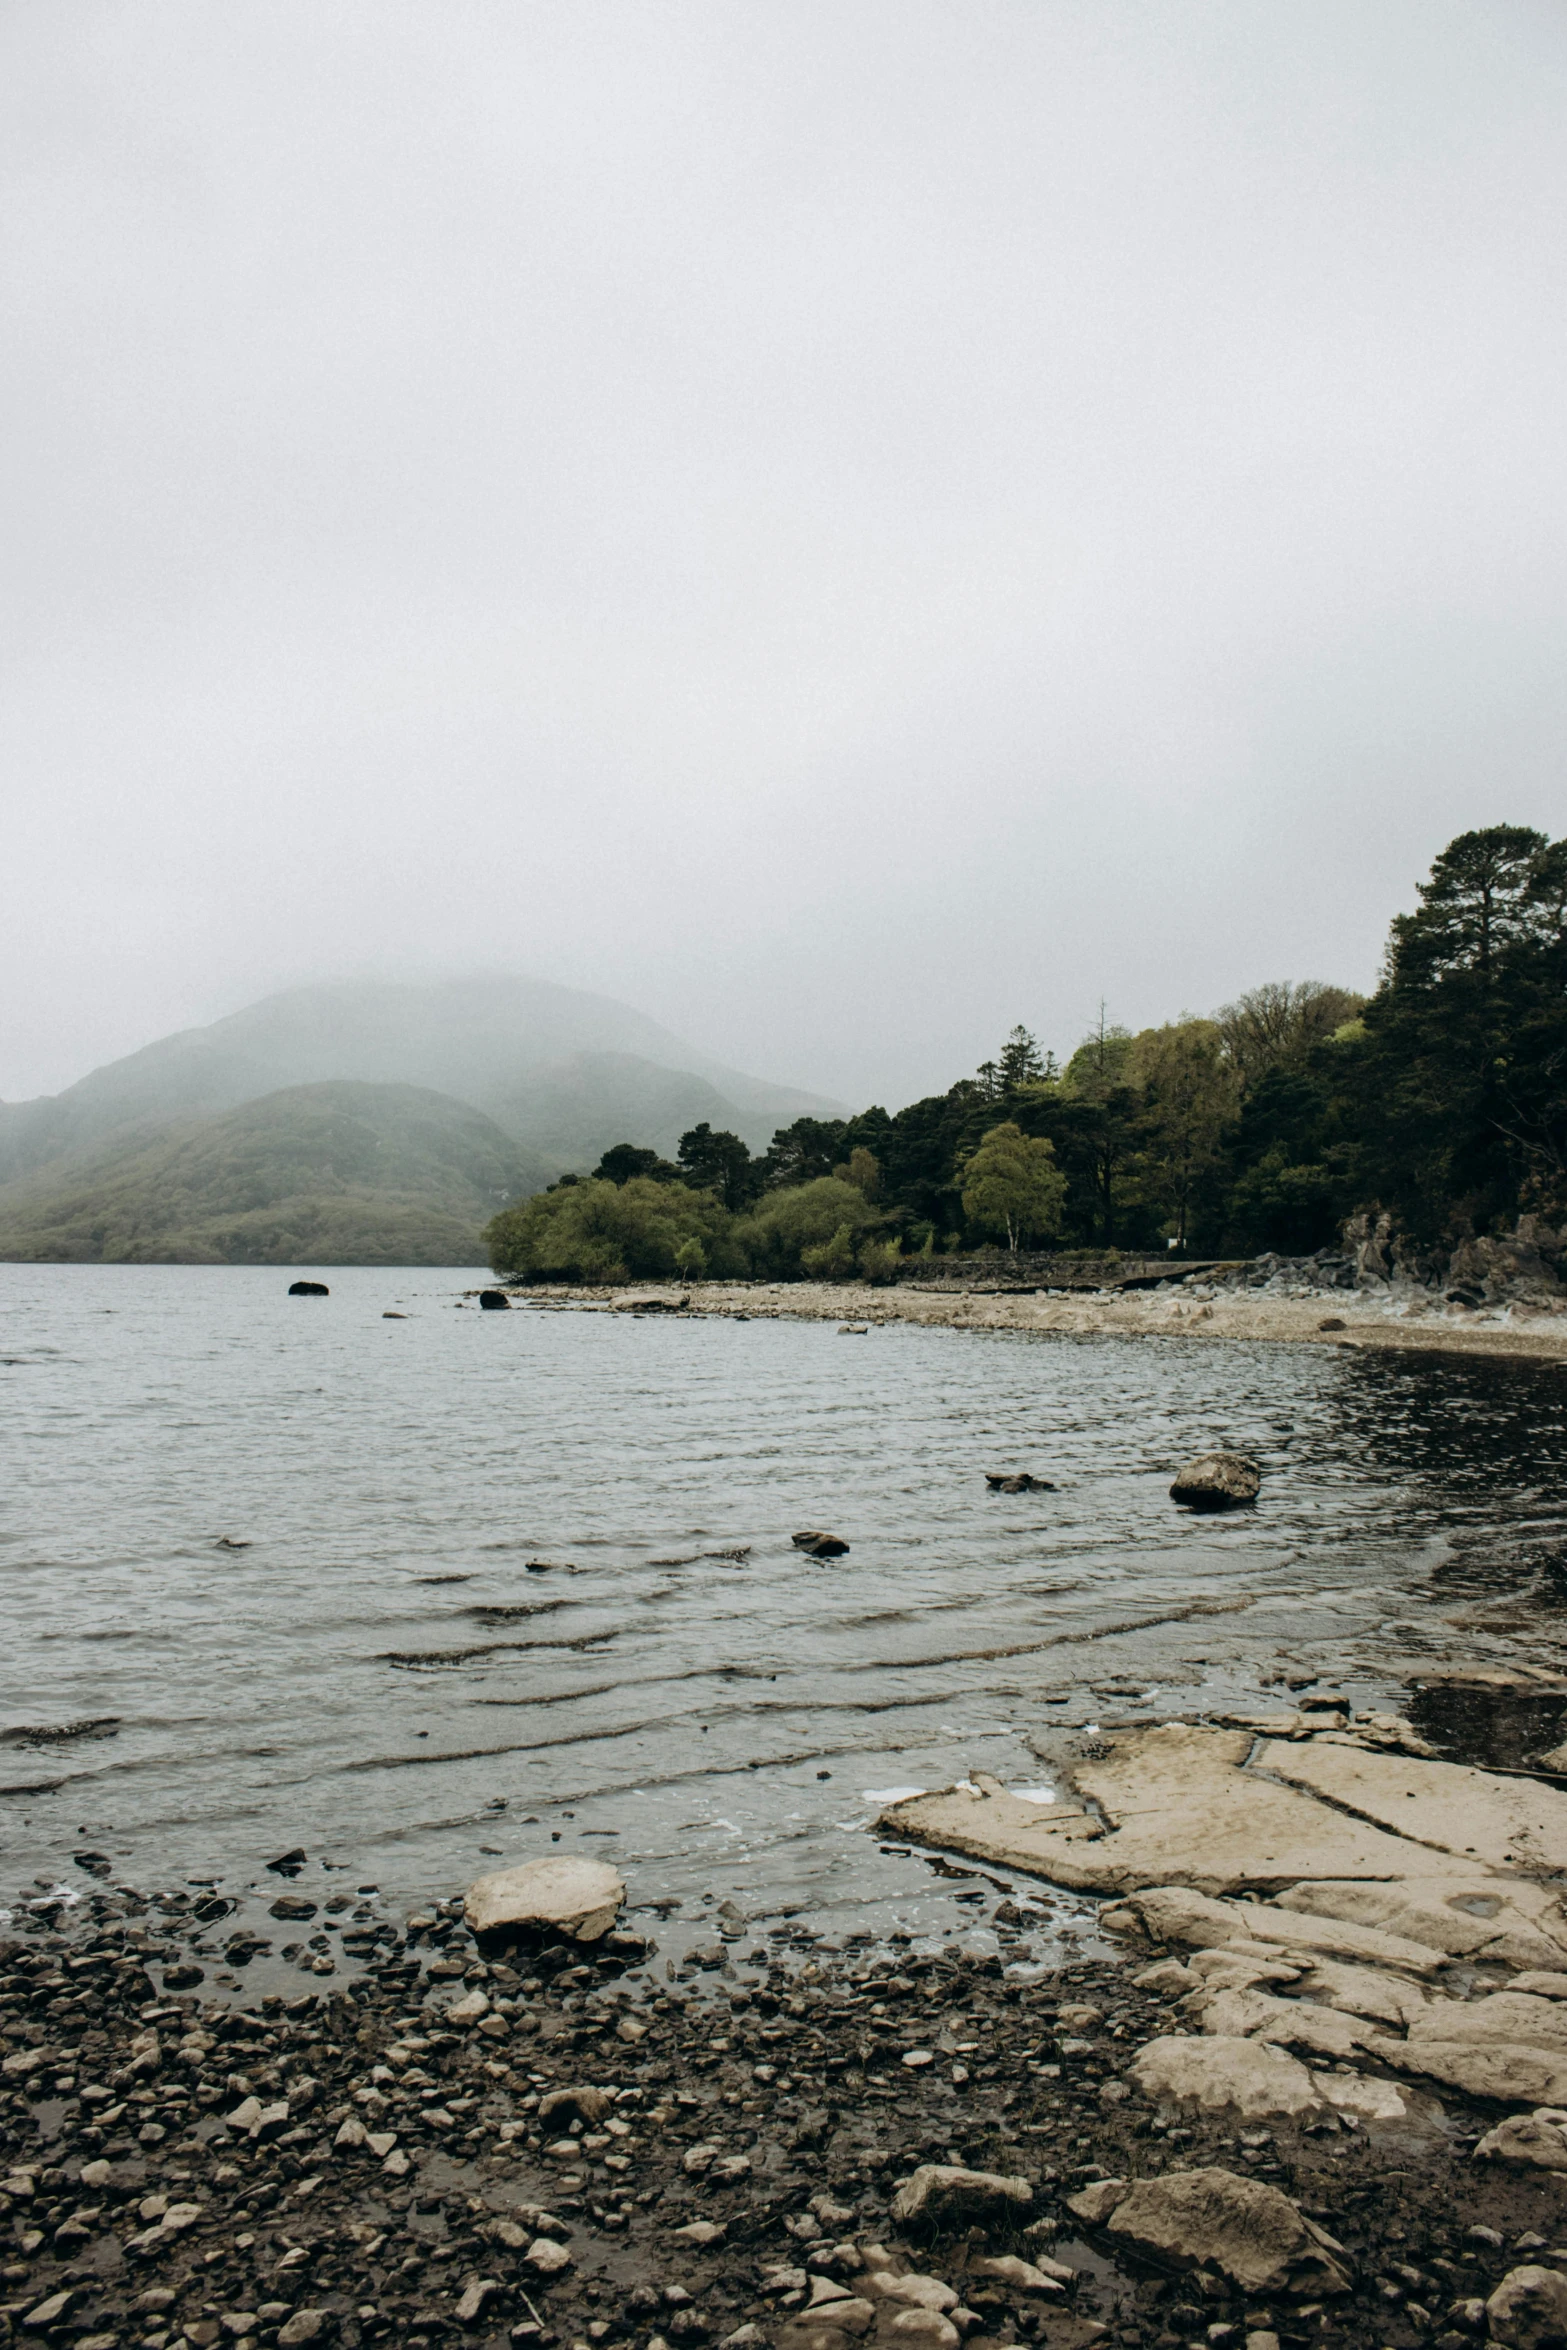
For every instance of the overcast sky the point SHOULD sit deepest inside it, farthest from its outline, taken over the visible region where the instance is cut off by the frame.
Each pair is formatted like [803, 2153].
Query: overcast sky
[846, 525]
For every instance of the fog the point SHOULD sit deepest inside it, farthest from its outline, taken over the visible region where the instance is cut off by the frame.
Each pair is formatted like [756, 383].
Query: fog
[845, 526]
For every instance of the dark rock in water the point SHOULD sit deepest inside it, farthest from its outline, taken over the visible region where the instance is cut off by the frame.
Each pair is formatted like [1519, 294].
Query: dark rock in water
[1021, 1482]
[1218, 1481]
[292, 1905]
[1333, 1322]
[289, 1864]
[817, 1545]
[308, 1289]
[97, 1864]
[493, 1301]
[391, 1315]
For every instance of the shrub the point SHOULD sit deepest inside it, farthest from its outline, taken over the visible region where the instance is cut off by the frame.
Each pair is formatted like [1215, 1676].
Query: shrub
[599, 1231]
[786, 1224]
[833, 1260]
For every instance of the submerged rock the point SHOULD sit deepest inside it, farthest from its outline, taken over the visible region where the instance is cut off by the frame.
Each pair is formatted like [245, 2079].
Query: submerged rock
[817, 1545]
[1217, 1481]
[1017, 1482]
[308, 1289]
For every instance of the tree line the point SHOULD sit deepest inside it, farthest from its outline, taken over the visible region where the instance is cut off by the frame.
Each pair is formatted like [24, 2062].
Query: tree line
[1441, 1099]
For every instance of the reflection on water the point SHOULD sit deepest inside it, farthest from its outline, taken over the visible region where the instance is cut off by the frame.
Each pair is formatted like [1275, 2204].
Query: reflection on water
[511, 1577]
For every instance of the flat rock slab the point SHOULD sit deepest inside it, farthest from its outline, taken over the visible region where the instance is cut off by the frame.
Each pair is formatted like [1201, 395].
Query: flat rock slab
[1173, 1913]
[1479, 1815]
[567, 1894]
[1181, 1805]
[1501, 2071]
[1512, 1920]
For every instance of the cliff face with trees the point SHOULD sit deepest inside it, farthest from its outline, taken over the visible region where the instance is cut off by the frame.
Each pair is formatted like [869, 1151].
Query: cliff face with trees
[1441, 1101]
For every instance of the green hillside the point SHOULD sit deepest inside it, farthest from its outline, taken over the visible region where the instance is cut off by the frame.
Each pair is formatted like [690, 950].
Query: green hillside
[332, 1174]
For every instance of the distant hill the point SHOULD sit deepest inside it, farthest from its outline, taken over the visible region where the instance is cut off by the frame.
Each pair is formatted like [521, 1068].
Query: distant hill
[564, 1072]
[333, 1174]
[361, 1122]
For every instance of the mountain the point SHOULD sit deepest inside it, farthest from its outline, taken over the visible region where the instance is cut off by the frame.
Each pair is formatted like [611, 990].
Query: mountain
[561, 1071]
[344, 1173]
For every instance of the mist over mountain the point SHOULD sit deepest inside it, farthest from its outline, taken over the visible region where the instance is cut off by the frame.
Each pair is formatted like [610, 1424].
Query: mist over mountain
[563, 1071]
[359, 1121]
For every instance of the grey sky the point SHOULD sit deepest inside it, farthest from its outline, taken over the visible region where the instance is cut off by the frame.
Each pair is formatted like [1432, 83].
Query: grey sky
[845, 525]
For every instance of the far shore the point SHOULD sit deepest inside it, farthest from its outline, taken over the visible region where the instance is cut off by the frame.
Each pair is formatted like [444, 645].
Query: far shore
[1347, 1319]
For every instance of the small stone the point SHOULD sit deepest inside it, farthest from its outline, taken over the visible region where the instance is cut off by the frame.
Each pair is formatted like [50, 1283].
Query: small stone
[48, 2313]
[697, 2159]
[926, 2325]
[699, 2232]
[917, 2058]
[469, 2010]
[306, 2325]
[547, 2257]
[946, 2192]
[475, 2294]
[97, 2174]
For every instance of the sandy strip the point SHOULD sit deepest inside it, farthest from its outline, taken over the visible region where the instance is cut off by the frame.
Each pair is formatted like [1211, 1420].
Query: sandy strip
[1515, 1330]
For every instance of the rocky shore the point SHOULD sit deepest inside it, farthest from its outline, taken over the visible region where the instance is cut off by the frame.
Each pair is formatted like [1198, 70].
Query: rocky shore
[1279, 1311]
[750, 2142]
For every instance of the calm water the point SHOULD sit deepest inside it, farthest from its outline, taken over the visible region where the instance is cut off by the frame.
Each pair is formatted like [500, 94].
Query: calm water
[383, 1678]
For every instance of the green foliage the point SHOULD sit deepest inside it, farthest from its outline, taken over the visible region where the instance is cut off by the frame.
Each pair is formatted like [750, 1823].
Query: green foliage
[623, 1160]
[720, 1163]
[833, 1260]
[1463, 1104]
[1011, 1184]
[879, 1261]
[596, 1231]
[785, 1224]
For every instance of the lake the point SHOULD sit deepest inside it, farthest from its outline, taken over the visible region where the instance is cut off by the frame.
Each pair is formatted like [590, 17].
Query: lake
[512, 1577]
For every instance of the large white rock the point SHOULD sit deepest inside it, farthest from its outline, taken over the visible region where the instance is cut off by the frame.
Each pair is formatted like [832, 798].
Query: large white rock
[567, 1892]
[1245, 2077]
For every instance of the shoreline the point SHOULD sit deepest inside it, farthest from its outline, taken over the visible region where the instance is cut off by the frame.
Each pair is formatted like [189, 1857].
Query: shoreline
[416, 2155]
[1408, 1326]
